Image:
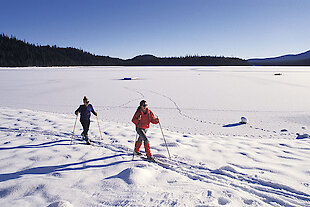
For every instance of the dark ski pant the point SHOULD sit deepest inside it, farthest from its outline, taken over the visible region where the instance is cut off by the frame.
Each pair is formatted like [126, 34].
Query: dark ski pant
[85, 123]
[142, 138]
[142, 135]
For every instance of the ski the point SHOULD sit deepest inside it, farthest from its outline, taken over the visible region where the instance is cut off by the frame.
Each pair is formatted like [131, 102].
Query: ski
[154, 161]
[92, 143]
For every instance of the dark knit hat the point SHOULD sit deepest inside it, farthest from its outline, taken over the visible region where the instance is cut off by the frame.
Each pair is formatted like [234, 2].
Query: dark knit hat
[143, 102]
[85, 99]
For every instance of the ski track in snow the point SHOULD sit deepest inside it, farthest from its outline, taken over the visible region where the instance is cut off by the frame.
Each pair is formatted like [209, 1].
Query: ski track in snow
[214, 163]
[226, 177]
[137, 100]
[270, 132]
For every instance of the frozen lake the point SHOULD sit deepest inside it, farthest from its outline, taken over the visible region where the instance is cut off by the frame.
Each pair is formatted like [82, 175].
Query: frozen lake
[199, 99]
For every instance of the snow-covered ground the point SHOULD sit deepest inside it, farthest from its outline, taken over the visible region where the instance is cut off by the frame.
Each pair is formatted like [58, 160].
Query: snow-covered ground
[215, 160]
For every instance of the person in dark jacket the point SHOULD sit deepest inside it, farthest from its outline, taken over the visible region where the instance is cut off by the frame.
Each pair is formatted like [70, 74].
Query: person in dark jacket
[85, 110]
[142, 119]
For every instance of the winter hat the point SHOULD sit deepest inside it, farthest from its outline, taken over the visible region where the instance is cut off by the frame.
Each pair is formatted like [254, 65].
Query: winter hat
[142, 102]
[85, 99]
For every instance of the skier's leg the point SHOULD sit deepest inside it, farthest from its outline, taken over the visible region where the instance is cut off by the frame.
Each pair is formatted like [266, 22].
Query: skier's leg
[147, 150]
[140, 139]
[137, 147]
[147, 146]
[85, 124]
[142, 133]
[84, 127]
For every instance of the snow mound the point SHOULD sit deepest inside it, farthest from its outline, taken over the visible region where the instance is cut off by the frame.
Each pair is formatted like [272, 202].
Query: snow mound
[136, 176]
[61, 204]
[243, 120]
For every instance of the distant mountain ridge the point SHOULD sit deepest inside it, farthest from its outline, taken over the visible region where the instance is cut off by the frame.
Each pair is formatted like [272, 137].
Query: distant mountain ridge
[302, 59]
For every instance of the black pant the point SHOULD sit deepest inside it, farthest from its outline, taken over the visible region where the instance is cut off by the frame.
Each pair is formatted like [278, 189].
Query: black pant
[142, 135]
[85, 124]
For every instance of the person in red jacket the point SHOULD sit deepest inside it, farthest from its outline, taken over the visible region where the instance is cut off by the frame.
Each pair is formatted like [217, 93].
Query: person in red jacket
[142, 119]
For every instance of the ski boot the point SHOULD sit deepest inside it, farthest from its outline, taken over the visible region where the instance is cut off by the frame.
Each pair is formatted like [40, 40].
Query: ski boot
[83, 136]
[151, 159]
[138, 153]
[87, 140]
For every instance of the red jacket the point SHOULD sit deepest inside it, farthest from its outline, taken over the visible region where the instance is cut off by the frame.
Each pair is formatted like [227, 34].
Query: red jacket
[145, 119]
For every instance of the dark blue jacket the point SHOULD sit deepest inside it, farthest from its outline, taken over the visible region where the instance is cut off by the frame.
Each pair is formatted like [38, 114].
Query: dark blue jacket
[85, 111]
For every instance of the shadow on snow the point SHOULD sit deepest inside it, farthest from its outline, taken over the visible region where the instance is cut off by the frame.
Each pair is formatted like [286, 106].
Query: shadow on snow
[42, 145]
[233, 125]
[59, 168]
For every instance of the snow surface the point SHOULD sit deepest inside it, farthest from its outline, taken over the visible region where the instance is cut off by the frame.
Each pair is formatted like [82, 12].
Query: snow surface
[216, 161]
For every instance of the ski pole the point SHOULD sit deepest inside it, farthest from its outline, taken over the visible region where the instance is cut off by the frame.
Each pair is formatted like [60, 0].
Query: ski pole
[99, 128]
[74, 127]
[164, 138]
[134, 146]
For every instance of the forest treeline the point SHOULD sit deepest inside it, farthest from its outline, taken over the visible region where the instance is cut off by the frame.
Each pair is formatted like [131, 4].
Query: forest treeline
[17, 53]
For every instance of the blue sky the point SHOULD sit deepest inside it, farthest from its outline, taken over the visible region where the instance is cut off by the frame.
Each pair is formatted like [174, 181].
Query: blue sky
[164, 28]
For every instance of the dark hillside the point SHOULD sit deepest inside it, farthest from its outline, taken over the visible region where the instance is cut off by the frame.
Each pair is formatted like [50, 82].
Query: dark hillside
[17, 53]
[302, 59]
